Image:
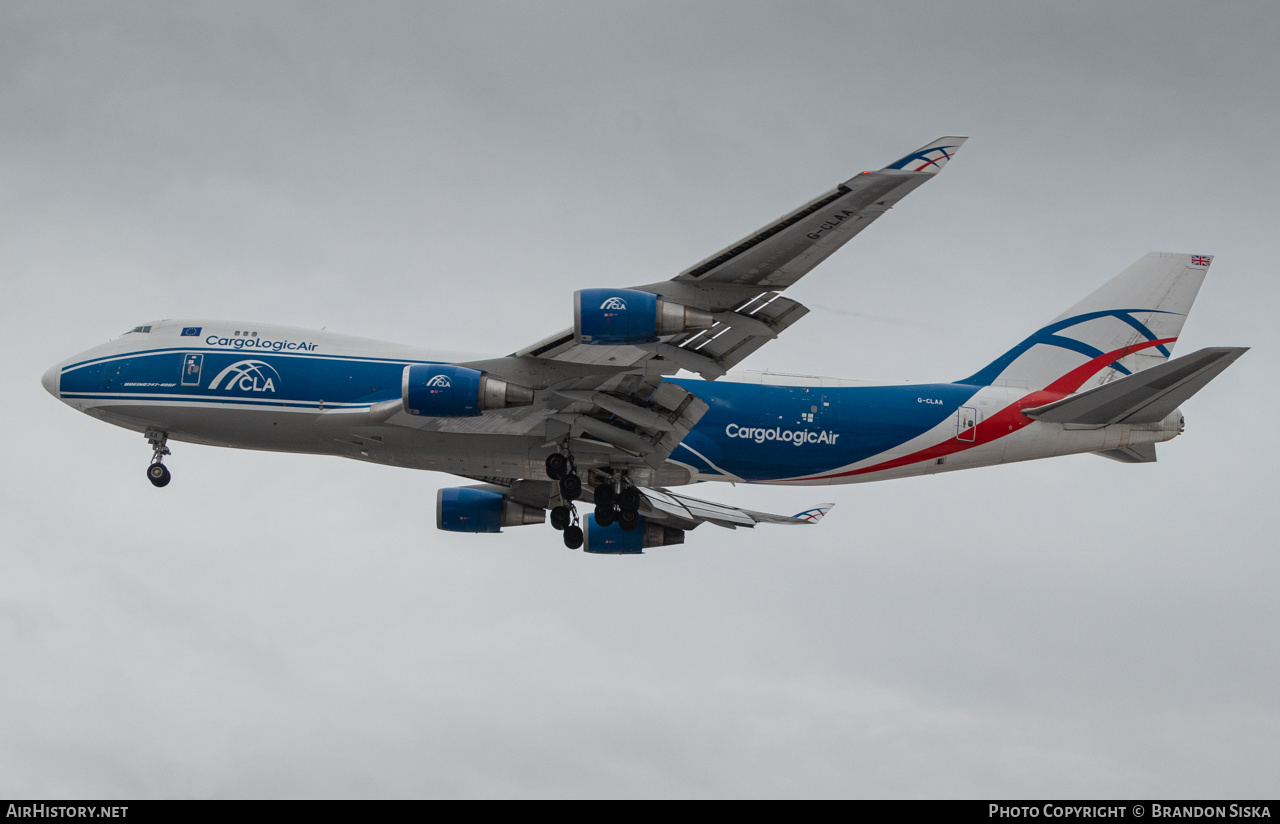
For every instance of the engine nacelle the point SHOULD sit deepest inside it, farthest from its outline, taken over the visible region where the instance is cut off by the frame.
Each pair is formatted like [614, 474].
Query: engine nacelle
[614, 540]
[467, 509]
[618, 316]
[446, 391]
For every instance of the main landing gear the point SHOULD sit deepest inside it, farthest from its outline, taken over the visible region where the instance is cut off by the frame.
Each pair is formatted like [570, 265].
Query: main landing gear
[564, 517]
[617, 500]
[158, 473]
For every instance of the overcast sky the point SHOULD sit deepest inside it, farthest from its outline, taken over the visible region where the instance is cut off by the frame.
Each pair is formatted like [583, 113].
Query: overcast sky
[446, 175]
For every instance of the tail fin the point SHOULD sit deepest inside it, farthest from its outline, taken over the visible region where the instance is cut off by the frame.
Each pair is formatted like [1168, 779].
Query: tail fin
[1129, 324]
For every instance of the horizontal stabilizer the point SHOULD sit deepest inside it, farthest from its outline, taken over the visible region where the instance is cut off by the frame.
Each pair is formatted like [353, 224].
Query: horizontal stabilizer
[1145, 397]
[1143, 453]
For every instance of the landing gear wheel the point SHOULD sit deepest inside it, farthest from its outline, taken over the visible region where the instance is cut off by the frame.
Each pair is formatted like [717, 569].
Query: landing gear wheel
[604, 496]
[557, 466]
[560, 517]
[629, 499]
[573, 537]
[570, 487]
[157, 473]
[605, 515]
[628, 520]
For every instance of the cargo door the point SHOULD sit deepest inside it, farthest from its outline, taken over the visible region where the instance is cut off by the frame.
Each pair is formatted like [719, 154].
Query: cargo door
[967, 424]
[192, 364]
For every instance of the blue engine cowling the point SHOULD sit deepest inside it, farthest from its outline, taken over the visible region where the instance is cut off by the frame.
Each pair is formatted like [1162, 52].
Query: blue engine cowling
[629, 316]
[468, 509]
[614, 540]
[441, 390]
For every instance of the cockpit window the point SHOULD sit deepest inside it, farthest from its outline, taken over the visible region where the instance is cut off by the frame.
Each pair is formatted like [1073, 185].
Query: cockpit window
[138, 329]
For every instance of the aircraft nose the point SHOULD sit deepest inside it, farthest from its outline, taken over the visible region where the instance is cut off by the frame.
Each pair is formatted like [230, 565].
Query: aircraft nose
[50, 380]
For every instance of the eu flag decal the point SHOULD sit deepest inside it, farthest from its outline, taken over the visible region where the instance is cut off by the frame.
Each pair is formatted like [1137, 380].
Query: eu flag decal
[191, 331]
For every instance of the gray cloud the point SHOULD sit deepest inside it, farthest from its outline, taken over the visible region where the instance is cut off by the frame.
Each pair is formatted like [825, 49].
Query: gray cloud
[446, 175]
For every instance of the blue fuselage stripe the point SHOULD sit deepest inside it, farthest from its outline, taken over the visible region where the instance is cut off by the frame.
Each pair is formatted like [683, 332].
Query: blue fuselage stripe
[751, 431]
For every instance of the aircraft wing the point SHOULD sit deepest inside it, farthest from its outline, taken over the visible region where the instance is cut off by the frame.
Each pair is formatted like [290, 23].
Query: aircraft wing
[615, 394]
[666, 507]
[740, 284]
[780, 253]
[662, 506]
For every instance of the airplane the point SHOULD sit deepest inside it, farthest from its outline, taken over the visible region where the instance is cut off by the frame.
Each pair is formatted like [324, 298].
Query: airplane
[599, 413]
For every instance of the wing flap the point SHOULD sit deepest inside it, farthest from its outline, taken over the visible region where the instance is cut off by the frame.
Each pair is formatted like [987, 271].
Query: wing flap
[735, 335]
[649, 422]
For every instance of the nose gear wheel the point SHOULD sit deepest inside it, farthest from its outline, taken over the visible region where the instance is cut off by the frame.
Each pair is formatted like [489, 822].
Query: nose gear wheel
[157, 472]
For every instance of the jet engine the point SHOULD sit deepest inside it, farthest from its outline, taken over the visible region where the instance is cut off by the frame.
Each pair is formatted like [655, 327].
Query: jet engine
[618, 316]
[468, 509]
[614, 540]
[446, 391]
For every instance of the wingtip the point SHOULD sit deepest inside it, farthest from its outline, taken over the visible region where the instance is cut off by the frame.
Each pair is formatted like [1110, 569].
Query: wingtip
[814, 514]
[930, 158]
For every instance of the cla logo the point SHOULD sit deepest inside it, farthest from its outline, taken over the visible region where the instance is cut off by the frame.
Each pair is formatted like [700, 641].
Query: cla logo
[247, 376]
[439, 380]
[614, 303]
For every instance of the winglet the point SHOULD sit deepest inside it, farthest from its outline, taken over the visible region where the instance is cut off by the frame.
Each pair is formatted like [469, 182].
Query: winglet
[815, 514]
[931, 158]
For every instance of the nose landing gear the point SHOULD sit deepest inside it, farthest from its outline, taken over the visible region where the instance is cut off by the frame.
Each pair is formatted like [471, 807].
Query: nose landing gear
[157, 472]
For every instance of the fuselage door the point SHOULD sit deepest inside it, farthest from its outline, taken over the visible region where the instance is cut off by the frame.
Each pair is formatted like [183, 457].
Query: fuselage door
[967, 424]
[191, 366]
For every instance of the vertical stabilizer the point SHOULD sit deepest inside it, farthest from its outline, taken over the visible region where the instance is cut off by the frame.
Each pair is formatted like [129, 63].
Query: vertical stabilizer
[1129, 324]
